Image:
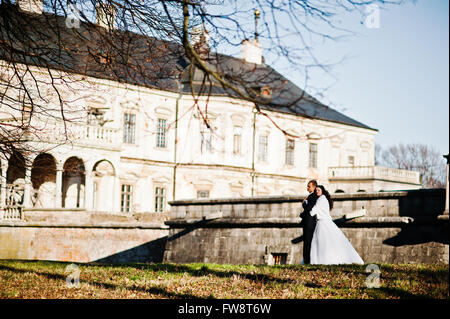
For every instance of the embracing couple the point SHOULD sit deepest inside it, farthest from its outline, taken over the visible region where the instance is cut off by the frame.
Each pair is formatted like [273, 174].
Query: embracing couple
[323, 242]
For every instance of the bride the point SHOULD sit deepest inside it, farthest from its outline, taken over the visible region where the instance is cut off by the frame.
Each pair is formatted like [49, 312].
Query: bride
[329, 244]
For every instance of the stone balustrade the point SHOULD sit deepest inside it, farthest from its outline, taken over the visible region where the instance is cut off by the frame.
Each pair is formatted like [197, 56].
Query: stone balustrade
[374, 172]
[13, 203]
[92, 135]
[78, 133]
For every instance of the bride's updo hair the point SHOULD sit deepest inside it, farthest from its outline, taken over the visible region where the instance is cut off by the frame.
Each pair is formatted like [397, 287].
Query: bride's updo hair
[327, 195]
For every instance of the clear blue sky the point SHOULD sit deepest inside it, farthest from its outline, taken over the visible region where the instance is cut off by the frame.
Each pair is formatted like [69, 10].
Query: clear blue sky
[397, 78]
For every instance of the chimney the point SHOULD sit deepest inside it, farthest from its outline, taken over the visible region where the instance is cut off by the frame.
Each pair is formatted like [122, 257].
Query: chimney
[252, 51]
[31, 6]
[106, 15]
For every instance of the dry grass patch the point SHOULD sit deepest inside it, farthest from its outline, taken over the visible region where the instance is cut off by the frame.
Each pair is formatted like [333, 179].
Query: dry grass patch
[37, 279]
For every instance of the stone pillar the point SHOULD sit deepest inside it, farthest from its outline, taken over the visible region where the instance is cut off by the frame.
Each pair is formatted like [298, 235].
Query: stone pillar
[447, 188]
[58, 191]
[27, 188]
[116, 195]
[4, 167]
[88, 190]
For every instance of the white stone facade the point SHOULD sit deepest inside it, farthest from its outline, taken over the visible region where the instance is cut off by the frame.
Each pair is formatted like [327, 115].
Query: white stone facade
[139, 166]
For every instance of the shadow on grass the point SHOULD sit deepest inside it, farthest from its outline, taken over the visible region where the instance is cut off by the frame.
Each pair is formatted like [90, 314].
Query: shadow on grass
[389, 274]
[204, 271]
[417, 271]
[153, 290]
[400, 271]
[375, 293]
[389, 292]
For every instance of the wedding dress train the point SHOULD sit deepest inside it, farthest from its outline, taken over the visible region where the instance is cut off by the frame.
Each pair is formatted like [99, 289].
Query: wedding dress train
[329, 245]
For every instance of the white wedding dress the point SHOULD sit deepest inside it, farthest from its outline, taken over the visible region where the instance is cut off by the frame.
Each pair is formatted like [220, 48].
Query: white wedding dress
[329, 245]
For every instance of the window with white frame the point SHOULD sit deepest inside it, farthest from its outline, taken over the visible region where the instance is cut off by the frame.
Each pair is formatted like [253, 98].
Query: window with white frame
[160, 199]
[205, 139]
[351, 160]
[289, 154]
[313, 155]
[126, 197]
[237, 140]
[262, 148]
[161, 133]
[129, 128]
[203, 194]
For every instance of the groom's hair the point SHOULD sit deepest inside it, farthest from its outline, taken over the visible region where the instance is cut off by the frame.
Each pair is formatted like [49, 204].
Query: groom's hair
[313, 181]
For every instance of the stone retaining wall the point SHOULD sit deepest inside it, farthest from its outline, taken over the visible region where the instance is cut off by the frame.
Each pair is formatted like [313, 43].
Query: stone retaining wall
[398, 227]
[80, 236]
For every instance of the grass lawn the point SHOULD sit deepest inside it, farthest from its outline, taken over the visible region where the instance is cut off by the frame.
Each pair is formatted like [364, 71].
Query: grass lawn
[39, 279]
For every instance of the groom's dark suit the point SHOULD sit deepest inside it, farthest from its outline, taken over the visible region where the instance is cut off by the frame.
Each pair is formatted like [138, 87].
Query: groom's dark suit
[309, 224]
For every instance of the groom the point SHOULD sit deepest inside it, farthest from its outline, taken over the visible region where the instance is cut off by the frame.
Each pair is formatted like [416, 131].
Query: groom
[308, 222]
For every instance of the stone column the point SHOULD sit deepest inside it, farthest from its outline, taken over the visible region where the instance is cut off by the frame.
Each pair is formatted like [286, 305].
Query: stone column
[116, 195]
[27, 188]
[88, 190]
[447, 188]
[58, 191]
[4, 167]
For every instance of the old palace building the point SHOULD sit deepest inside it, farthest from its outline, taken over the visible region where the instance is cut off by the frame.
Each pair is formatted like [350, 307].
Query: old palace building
[129, 145]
